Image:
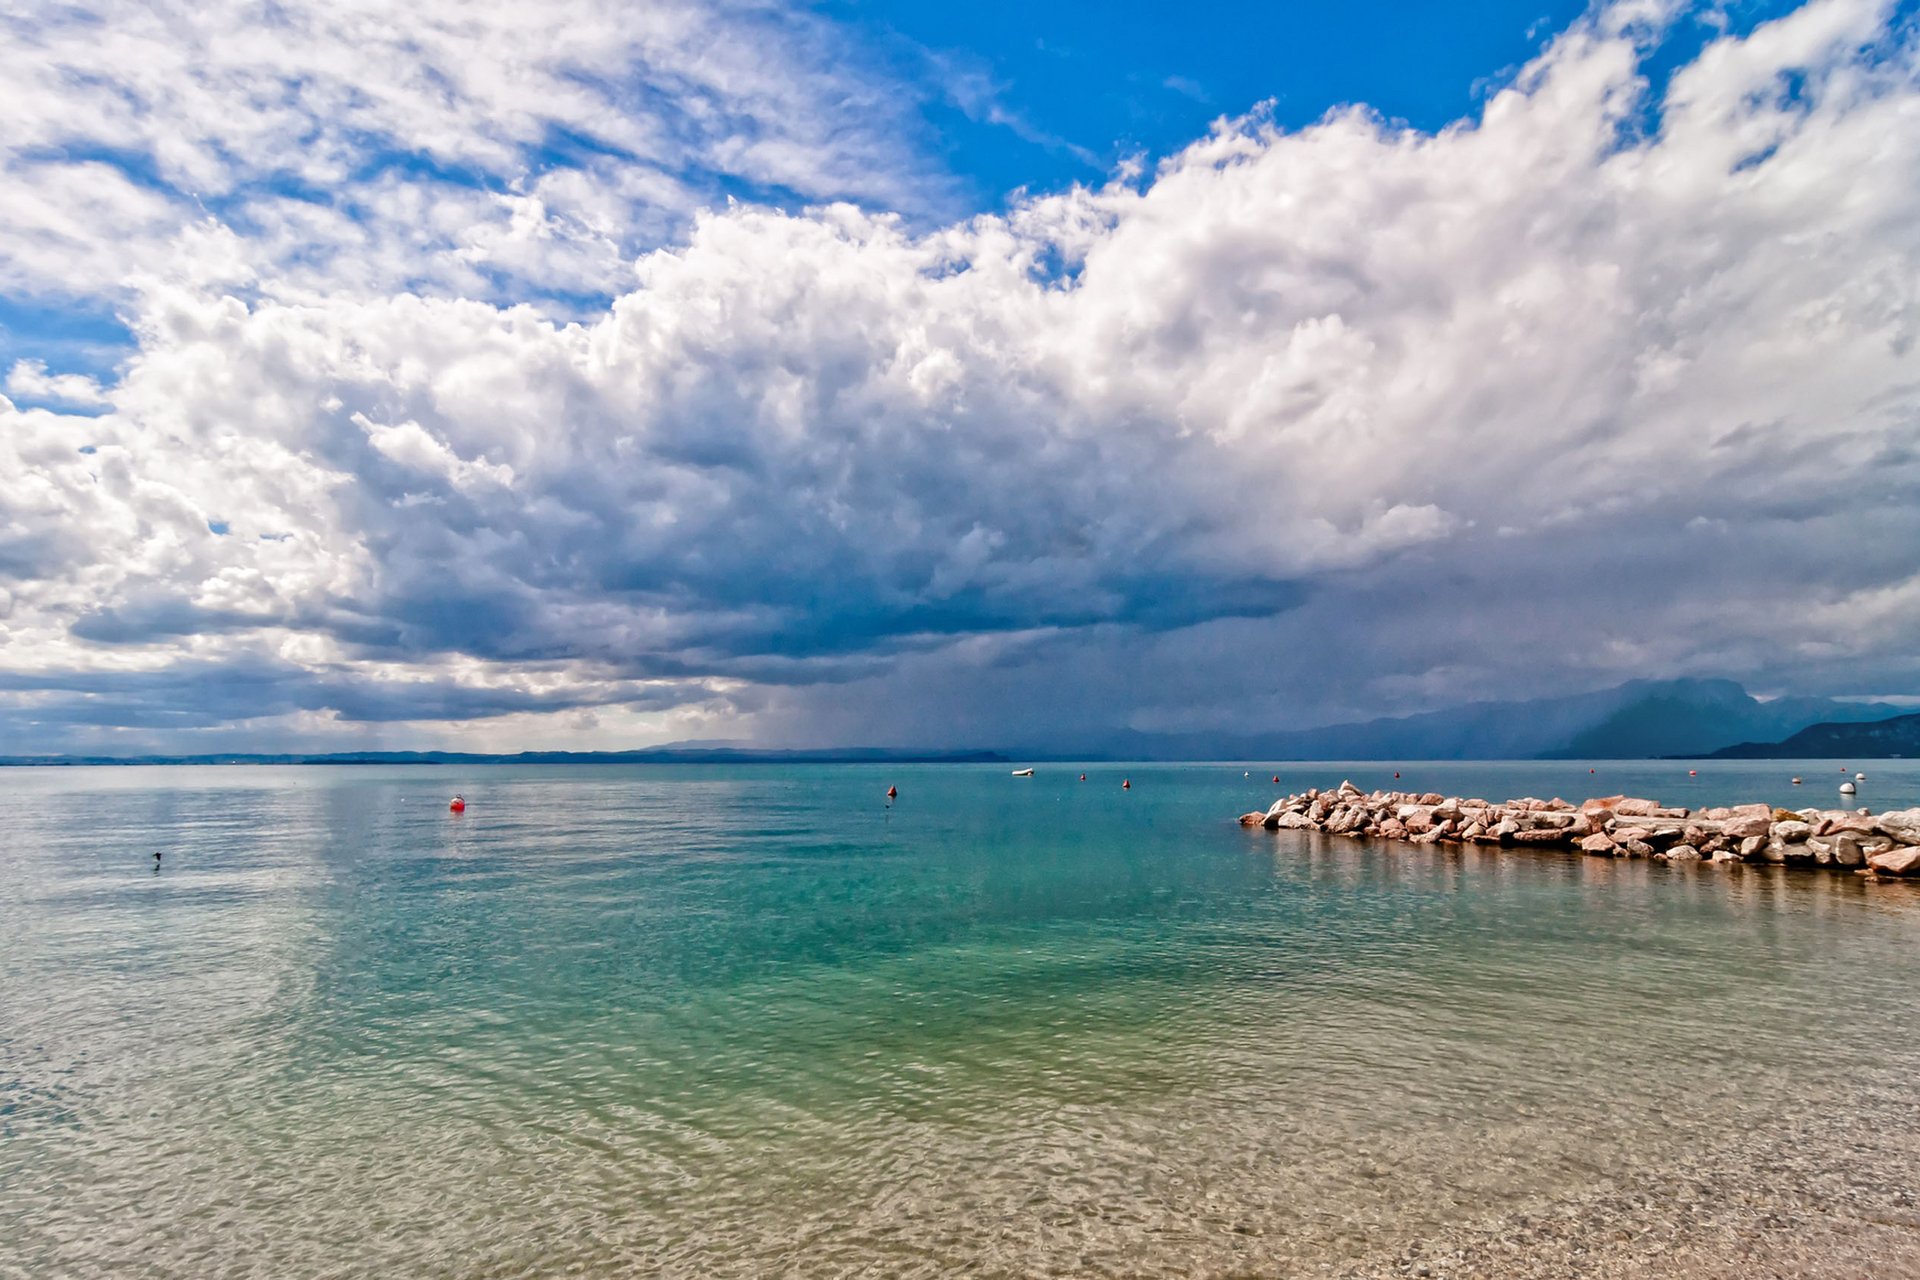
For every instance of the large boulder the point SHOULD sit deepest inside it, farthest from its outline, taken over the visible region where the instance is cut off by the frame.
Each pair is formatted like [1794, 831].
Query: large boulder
[1254, 819]
[1751, 848]
[1902, 824]
[1599, 844]
[1635, 808]
[1742, 826]
[1289, 821]
[1846, 850]
[1790, 832]
[1901, 861]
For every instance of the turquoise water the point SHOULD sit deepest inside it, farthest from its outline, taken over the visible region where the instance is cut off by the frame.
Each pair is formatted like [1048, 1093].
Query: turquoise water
[753, 1021]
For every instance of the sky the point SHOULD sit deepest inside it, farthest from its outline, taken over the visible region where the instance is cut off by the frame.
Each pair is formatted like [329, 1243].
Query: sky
[490, 376]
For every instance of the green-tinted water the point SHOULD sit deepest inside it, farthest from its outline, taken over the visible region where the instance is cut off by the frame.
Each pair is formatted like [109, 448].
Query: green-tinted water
[752, 1021]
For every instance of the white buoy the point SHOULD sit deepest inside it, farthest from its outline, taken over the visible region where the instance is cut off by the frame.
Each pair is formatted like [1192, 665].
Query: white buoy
[1859, 777]
[1846, 788]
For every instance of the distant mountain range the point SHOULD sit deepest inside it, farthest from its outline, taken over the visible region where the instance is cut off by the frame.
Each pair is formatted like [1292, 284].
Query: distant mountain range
[1641, 719]
[1878, 740]
[650, 755]
[1637, 720]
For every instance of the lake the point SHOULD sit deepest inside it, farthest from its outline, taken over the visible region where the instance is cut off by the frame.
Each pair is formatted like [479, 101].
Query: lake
[749, 1021]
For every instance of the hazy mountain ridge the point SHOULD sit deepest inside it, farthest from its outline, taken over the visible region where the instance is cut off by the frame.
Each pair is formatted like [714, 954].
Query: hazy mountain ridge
[1878, 739]
[674, 754]
[1638, 719]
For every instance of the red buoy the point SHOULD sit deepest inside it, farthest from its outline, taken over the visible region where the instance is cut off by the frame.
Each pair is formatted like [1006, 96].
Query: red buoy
[1083, 777]
[1126, 784]
[1276, 779]
[1693, 773]
[457, 805]
[1396, 773]
[892, 792]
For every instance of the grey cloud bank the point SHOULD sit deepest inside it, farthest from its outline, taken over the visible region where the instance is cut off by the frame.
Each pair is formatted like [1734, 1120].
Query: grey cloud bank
[1298, 428]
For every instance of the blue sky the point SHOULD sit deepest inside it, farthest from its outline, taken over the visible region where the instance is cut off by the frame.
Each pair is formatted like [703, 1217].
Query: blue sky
[463, 375]
[1085, 85]
[1040, 96]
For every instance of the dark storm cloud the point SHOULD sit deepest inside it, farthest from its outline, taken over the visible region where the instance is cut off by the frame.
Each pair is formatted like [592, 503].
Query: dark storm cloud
[198, 695]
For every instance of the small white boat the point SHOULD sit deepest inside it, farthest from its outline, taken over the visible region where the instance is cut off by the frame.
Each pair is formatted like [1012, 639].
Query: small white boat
[1023, 773]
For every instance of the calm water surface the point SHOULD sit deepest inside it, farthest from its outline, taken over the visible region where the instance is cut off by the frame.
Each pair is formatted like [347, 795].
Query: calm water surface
[750, 1021]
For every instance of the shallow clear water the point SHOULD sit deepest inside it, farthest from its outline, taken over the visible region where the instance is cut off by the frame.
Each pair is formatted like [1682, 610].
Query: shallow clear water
[751, 1021]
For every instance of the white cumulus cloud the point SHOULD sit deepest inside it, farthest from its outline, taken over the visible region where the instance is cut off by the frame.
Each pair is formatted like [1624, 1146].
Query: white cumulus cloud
[29, 379]
[486, 147]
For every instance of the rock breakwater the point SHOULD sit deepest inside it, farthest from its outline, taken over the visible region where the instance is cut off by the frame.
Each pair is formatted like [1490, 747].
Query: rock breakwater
[1854, 840]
